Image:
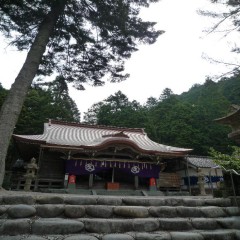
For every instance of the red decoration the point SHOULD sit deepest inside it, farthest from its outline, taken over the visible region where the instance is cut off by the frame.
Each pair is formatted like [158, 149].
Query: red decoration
[152, 182]
[72, 179]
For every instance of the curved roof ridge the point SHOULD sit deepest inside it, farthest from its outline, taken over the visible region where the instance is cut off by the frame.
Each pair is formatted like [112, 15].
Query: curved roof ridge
[93, 136]
[85, 125]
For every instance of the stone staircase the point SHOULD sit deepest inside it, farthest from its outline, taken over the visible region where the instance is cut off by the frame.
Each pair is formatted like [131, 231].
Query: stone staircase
[72, 217]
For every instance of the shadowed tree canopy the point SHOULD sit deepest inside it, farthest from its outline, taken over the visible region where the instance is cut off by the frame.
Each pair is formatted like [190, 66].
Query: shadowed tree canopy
[88, 39]
[83, 41]
[185, 120]
[116, 110]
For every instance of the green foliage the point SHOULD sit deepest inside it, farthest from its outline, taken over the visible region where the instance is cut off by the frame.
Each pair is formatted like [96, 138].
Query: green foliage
[116, 110]
[228, 161]
[186, 120]
[43, 104]
[90, 38]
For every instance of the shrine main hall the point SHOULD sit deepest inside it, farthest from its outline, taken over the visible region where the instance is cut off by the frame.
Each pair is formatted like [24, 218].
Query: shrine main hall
[96, 157]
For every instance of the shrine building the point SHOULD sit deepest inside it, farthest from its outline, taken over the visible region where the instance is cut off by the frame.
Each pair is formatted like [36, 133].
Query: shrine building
[97, 157]
[233, 120]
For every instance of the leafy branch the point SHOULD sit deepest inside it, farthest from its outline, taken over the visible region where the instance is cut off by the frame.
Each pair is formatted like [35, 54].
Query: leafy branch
[225, 160]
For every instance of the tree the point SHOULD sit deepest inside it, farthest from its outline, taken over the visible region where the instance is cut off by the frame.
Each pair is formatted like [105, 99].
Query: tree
[63, 104]
[90, 116]
[166, 93]
[228, 161]
[117, 110]
[3, 94]
[81, 40]
[42, 104]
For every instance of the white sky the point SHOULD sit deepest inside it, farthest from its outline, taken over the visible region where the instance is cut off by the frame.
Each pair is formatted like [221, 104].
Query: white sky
[174, 61]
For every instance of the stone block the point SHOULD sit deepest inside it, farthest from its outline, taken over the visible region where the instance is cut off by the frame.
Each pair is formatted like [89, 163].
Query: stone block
[145, 225]
[205, 223]
[232, 211]
[49, 200]
[153, 236]
[31, 237]
[15, 227]
[189, 211]
[213, 212]
[5, 237]
[174, 201]
[97, 225]
[131, 211]
[219, 235]
[189, 202]
[99, 211]
[186, 236]
[81, 237]
[163, 212]
[74, 211]
[80, 200]
[174, 224]
[108, 226]
[109, 201]
[49, 210]
[117, 237]
[3, 209]
[21, 211]
[144, 201]
[25, 199]
[237, 235]
[229, 222]
[56, 226]
[220, 202]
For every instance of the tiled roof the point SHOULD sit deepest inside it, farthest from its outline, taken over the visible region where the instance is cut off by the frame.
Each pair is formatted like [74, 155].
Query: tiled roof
[201, 162]
[91, 136]
[233, 116]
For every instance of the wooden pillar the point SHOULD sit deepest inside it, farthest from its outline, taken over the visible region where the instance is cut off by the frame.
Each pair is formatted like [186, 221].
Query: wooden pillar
[65, 183]
[136, 182]
[113, 175]
[189, 184]
[90, 183]
[38, 170]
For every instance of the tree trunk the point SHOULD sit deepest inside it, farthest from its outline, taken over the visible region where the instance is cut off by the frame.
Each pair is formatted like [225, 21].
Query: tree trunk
[12, 106]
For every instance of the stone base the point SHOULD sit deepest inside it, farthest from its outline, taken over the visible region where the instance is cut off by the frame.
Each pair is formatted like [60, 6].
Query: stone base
[152, 188]
[71, 186]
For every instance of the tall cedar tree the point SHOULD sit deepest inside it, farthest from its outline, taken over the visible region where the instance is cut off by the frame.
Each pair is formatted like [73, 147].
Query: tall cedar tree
[81, 40]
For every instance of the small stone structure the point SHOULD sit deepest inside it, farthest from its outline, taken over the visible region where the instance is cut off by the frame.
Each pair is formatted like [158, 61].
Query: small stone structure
[30, 174]
[201, 182]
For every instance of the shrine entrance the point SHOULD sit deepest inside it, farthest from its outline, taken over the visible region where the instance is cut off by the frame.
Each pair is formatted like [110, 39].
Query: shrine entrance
[101, 179]
[109, 175]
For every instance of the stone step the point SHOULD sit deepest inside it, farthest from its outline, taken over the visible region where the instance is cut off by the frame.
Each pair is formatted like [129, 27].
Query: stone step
[117, 201]
[110, 211]
[38, 216]
[45, 226]
[160, 235]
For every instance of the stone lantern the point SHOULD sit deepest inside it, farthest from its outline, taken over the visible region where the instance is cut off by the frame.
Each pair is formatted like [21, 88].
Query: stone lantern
[30, 174]
[201, 182]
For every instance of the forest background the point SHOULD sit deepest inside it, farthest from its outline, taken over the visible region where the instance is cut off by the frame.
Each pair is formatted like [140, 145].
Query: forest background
[185, 120]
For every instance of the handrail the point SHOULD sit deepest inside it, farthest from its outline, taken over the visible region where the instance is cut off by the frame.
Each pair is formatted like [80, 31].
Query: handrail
[231, 171]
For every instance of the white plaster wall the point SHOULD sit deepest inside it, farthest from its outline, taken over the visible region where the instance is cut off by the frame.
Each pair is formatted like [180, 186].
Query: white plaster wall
[193, 172]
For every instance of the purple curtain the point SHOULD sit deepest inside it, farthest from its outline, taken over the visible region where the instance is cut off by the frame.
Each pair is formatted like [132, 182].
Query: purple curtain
[82, 167]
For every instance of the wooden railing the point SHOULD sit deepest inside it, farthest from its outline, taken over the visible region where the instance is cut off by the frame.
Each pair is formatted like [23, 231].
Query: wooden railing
[38, 184]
